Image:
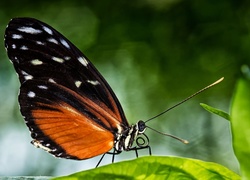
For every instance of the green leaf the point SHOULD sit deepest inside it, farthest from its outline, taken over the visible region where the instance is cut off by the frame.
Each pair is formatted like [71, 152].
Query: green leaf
[240, 120]
[216, 111]
[155, 167]
[25, 177]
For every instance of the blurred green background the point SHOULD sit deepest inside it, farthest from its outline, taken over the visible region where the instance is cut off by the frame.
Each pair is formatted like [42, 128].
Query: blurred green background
[154, 53]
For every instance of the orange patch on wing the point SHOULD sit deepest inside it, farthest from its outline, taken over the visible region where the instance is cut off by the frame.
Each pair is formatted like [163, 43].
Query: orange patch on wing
[78, 135]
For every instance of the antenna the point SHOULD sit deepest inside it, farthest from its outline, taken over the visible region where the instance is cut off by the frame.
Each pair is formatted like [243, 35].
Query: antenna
[195, 94]
[170, 135]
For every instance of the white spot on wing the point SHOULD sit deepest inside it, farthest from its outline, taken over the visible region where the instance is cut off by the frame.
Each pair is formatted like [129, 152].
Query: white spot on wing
[83, 61]
[29, 30]
[67, 58]
[42, 87]
[78, 83]
[37, 144]
[53, 150]
[17, 36]
[40, 43]
[16, 59]
[60, 60]
[36, 62]
[26, 75]
[24, 48]
[52, 40]
[31, 94]
[93, 82]
[51, 80]
[13, 46]
[65, 43]
[49, 31]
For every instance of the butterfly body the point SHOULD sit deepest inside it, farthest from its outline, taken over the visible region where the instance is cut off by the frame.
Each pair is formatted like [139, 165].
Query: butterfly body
[69, 108]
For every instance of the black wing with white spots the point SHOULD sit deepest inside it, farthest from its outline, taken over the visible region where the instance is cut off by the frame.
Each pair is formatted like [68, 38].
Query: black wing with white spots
[53, 73]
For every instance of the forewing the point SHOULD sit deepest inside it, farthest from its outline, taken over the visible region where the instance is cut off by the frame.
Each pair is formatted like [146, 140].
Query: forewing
[67, 104]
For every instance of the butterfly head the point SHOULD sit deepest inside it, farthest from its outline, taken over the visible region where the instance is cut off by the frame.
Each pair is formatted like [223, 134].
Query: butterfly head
[141, 126]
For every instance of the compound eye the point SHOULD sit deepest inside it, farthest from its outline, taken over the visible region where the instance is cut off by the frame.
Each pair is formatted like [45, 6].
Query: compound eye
[141, 126]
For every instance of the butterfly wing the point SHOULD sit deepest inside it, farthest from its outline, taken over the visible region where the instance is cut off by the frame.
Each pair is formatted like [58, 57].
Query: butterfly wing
[68, 106]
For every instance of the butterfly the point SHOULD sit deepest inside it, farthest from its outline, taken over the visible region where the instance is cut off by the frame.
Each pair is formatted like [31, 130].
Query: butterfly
[69, 108]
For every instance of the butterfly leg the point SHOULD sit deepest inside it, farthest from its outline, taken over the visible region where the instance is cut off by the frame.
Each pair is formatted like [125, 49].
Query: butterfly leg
[149, 150]
[142, 142]
[100, 160]
[113, 156]
[139, 148]
[136, 153]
